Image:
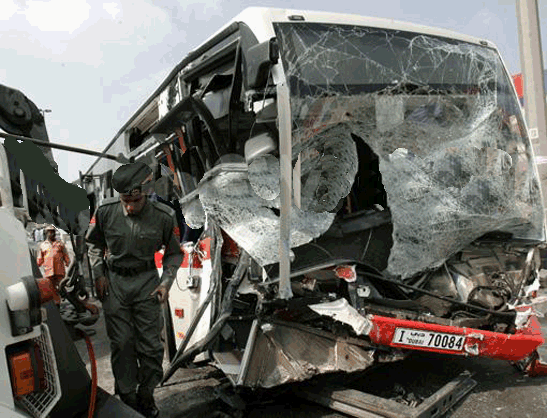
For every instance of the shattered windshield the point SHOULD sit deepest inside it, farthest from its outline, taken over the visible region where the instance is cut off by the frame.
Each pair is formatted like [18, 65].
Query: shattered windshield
[439, 114]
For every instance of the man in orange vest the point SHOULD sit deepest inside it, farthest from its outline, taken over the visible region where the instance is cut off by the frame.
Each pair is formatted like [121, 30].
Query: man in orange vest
[53, 256]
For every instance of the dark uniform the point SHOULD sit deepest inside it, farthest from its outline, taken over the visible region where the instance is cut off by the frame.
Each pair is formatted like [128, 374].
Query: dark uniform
[121, 248]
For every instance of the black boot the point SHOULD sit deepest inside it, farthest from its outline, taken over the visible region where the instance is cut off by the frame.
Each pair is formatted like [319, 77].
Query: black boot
[131, 400]
[147, 406]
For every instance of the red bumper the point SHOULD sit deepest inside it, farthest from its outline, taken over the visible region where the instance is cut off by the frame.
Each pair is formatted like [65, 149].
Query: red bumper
[480, 343]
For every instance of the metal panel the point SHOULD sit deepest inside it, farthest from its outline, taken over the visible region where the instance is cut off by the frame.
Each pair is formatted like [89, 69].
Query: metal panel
[287, 352]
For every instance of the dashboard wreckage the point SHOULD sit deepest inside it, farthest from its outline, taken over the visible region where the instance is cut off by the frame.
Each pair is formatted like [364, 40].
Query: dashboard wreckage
[362, 188]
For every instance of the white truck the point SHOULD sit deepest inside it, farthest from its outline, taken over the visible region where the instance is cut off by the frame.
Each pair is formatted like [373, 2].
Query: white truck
[27, 360]
[41, 371]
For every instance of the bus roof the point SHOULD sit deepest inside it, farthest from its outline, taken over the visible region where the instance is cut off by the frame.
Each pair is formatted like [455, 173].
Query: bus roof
[260, 19]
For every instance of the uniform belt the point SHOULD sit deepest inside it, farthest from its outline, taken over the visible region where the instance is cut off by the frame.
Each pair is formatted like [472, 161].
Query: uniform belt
[132, 271]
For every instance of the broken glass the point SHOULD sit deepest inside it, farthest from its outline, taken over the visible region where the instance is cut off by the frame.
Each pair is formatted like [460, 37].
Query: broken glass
[264, 176]
[439, 113]
[328, 169]
[252, 221]
[193, 213]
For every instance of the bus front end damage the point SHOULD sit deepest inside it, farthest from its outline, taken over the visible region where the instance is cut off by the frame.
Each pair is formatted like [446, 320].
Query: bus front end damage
[419, 220]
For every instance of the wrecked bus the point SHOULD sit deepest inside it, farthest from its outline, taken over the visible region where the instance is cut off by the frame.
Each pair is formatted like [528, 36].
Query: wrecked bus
[364, 188]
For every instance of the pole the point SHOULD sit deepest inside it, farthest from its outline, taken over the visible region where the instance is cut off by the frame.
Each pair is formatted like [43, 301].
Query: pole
[285, 156]
[531, 60]
[119, 158]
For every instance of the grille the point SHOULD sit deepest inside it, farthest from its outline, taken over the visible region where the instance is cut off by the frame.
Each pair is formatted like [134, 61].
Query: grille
[40, 404]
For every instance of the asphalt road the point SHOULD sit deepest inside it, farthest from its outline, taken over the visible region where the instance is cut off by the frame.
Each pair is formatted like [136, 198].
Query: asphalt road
[501, 391]
[184, 391]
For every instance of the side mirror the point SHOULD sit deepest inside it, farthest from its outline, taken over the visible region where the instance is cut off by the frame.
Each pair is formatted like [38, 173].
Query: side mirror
[259, 59]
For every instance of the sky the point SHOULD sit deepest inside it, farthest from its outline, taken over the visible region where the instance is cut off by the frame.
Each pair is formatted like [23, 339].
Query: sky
[94, 63]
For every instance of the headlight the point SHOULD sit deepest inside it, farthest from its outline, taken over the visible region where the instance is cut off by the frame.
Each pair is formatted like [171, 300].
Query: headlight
[25, 299]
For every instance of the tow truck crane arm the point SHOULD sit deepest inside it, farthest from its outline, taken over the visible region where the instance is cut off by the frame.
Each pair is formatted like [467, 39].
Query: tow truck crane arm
[46, 144]
[21, 119]
[20, 116]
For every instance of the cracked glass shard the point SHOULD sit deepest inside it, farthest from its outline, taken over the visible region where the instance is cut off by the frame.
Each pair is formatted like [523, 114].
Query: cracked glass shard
[264, 176]
[253, 222]
[328, 168]
[441, 117]
[193, 213]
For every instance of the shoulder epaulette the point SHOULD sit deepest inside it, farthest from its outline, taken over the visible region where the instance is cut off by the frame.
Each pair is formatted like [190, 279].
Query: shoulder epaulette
[164, 208]
[109, 201]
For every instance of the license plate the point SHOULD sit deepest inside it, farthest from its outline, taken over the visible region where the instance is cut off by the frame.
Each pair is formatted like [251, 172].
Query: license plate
[429, 339]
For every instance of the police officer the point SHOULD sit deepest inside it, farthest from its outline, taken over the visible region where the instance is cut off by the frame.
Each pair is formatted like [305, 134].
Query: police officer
[122, 238]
